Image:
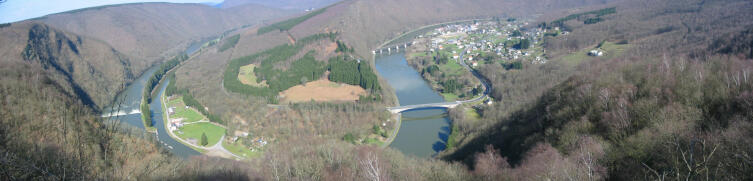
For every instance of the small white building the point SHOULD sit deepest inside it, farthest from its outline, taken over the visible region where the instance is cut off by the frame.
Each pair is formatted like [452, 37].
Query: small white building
[596, 53]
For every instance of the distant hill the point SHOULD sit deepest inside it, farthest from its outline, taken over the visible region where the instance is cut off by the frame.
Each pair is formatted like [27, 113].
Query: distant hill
[149, 31]
[282, 4]
[92, 52]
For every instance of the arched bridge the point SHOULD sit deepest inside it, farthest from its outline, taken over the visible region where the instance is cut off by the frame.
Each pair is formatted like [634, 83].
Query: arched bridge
[399, 109]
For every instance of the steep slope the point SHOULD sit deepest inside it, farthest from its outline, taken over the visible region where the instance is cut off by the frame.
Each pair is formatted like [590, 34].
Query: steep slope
[657, 109]
[94, 52]
[150, 31]
[87, 68]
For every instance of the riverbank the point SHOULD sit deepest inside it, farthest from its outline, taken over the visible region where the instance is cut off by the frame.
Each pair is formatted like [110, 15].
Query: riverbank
[417, 139]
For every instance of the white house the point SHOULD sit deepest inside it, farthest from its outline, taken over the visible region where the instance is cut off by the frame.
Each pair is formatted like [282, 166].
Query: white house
[596, 52]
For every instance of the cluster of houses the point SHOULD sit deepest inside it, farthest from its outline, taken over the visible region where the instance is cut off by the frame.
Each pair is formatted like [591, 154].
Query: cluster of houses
[175, 123]
[256, 142]
[494, 36]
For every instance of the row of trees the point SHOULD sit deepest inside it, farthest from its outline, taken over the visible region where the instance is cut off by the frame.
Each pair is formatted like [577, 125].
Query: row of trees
[597, 14]
[290, 23]
[229, 42]
[152, 82]
[157, 75]
[190, 101]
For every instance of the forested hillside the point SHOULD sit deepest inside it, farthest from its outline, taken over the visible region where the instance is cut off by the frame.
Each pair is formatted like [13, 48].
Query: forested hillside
[85, 68]
[658, 110]
[151, 32]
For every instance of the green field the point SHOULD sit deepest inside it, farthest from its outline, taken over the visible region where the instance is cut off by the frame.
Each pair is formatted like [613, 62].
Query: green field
[450, 96]
[373, 141]
[452, 68]
[193, 131]
[471, 114]
[247, 76]
[189, 115]
[611, 50]
[239, 149]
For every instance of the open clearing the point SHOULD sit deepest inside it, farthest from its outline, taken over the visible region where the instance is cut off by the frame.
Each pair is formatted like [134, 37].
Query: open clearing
[611, 50]
[239, 149]
[246, 76]
[322, 90]
[193, 131]
[189, 115]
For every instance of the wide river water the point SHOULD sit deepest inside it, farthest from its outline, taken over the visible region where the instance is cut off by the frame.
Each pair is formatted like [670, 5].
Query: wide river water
[131, 100]
[424, 132]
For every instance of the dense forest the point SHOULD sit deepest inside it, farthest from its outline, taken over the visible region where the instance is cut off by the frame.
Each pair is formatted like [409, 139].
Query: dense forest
[305, 68]
[353, 72]
[229, 42]
[300, 71]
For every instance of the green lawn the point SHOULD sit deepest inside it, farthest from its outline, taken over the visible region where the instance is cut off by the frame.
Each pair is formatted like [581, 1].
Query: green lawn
[247, 76]
[239, 149]
[472, 114]
[452, 68]
[189, 115]
[373, 141]
[193, 131]
[450, 96]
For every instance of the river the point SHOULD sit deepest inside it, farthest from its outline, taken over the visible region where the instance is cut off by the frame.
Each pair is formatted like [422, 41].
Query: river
[131, 100]
[174, 146]
[423, 133]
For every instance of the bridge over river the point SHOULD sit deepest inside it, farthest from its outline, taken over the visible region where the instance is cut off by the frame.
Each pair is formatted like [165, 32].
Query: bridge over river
[487, 88]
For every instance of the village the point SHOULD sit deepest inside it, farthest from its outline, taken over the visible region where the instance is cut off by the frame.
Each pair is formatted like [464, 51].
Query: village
[486, 42]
